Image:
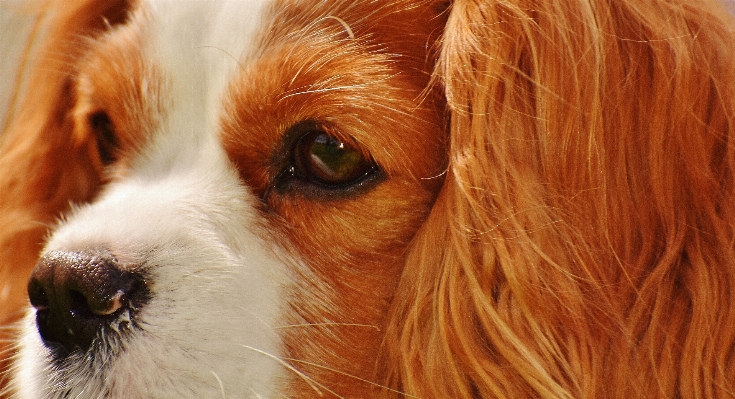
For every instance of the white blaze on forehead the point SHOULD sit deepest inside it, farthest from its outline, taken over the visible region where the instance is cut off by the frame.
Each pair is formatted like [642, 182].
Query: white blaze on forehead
[199, 46]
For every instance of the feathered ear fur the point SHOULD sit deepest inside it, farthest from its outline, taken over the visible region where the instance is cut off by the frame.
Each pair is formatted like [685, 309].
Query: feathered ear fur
[583, 243]
[42, 166]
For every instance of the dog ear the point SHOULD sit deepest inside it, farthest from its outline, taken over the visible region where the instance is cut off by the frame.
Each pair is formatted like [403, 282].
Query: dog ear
[43, 167]
[582, 243]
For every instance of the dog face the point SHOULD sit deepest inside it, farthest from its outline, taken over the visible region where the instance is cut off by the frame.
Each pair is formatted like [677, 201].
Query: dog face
[264, 167]
[295, 198]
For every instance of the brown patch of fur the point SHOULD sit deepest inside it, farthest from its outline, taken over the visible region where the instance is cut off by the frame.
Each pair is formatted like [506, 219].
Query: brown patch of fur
[587, 217]
[367, 83]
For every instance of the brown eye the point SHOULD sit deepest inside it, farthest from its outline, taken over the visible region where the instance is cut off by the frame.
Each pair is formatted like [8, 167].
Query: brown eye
[325, 160]
[104, 132]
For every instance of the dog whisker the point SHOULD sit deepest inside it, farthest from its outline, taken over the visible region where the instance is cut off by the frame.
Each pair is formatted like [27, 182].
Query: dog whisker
[443, 173]
[348, 30]
[221, 385]
[312, 382]
[375, 384]
[335, 324]
[257, 395]
[322, 90]
[227, 53]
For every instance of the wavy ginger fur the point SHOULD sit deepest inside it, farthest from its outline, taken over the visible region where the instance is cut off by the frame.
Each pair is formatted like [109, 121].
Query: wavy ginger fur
[587, 218]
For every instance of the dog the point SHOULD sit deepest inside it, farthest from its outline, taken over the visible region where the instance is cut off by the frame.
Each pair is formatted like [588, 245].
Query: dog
[372, 199]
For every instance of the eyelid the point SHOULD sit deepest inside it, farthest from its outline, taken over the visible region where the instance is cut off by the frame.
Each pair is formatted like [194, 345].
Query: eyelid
[292, 178]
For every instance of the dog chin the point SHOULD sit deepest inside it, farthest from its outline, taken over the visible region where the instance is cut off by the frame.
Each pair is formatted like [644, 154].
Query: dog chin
[134, 362]
[137, 361]
[133, 367]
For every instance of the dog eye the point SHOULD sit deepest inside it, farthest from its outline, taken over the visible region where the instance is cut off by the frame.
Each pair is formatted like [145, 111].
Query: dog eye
[321, 158]
[104, 132]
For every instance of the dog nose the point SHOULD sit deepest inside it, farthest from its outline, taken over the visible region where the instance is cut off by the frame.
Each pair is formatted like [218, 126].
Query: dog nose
[78, 294]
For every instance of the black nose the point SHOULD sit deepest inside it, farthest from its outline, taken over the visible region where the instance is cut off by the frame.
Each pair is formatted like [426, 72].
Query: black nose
[79, 294]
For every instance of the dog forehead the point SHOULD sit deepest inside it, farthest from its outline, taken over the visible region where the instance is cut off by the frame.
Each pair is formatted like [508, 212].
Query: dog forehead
[203, 39]
[189, 52]
[199, 45]
[192, 28]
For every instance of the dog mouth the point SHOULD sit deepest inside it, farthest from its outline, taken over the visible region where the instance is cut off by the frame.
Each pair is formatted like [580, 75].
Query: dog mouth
[81, 333]
[85, 303]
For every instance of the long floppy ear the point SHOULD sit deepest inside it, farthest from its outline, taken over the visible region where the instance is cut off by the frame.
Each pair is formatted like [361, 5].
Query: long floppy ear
[43, 168]
[582, 245]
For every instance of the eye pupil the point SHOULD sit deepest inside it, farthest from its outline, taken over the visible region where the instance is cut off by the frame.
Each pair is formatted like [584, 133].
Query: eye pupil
[326, 160]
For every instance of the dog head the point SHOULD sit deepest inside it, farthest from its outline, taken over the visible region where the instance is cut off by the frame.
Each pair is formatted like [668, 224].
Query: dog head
[254, 171]
[355, 199]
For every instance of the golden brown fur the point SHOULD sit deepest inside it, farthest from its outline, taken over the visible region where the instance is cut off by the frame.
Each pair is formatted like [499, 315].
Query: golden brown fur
[583, 242]
[587, 216]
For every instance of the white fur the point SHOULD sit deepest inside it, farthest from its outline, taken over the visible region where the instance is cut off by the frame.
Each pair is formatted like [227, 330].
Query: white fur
[210, 328]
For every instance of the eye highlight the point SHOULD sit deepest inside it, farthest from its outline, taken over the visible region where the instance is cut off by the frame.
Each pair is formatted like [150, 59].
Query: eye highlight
[321, 160]
[326, 160]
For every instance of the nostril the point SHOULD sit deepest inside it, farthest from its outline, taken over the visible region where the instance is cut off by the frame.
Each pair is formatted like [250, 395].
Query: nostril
[78, 294]
[78, 305]
[90, 305]
[37, 295]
